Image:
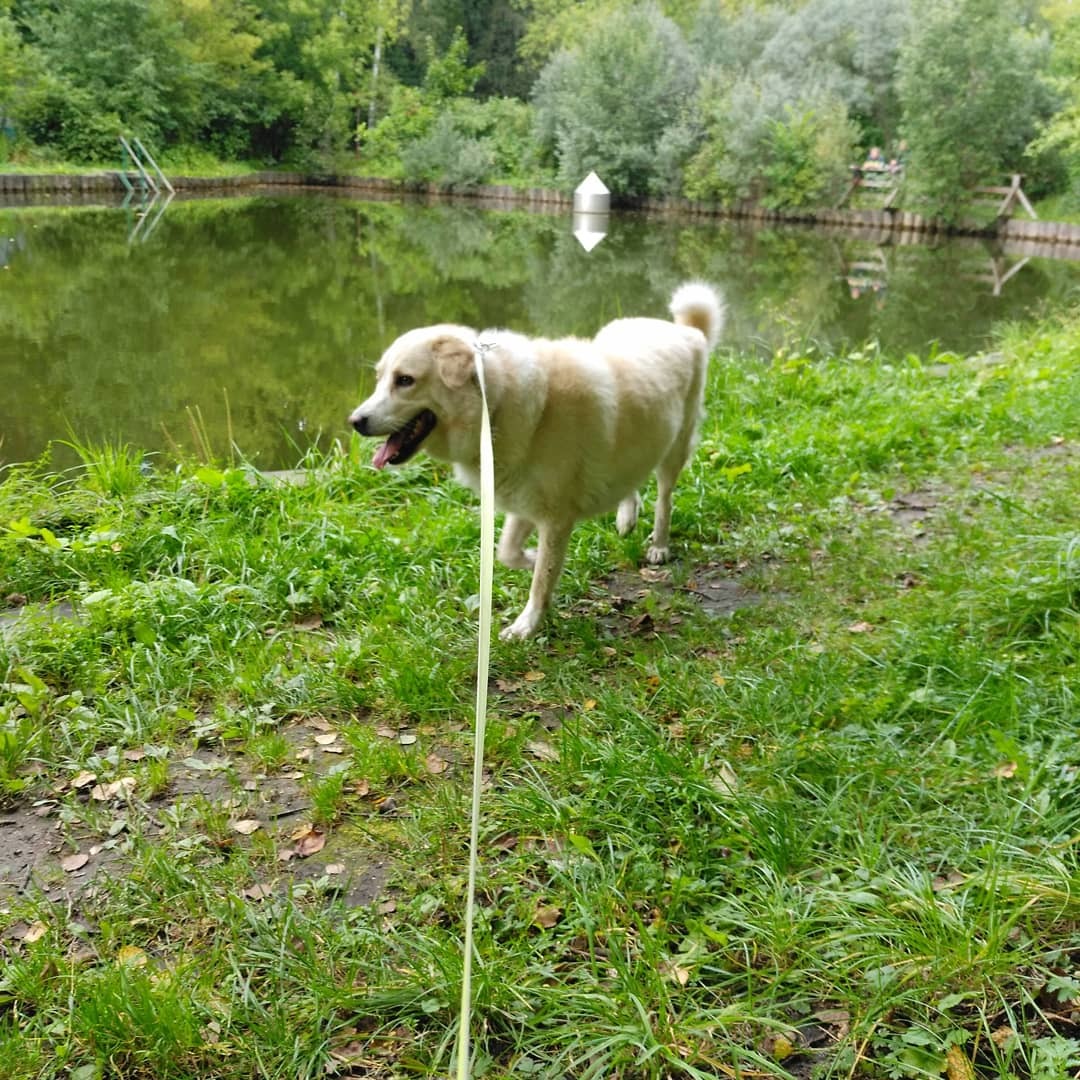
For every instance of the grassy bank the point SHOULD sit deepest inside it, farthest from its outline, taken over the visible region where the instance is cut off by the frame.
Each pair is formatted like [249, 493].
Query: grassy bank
[802, 805]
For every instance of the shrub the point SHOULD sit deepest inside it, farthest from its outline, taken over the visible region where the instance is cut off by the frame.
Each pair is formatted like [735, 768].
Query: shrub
[607, 104]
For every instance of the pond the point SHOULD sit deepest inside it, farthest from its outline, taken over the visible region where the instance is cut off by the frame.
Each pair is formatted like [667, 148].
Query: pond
[253, 322]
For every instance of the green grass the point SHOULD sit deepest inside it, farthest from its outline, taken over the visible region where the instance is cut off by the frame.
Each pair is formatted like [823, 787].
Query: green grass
[833, 834]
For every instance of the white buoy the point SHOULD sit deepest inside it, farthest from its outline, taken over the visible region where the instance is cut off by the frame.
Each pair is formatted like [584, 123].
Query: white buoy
[592, 203]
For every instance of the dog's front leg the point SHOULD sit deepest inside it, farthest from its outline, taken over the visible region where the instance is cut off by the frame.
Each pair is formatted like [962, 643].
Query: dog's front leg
[550, 556]
[512, 551]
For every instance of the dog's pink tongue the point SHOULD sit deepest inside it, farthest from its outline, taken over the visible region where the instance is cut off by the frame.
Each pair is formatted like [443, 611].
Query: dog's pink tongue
[382, 455]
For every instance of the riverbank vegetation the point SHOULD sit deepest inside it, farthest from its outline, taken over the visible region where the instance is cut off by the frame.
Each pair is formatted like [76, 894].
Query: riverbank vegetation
[742, 100]
[801, 804]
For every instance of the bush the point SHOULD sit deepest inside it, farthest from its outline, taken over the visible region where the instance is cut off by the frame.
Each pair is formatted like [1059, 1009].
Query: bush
[448, 156]
[607, 104]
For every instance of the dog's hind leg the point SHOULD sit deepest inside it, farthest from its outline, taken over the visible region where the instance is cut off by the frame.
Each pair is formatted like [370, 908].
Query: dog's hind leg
[627, 515]
[512, 551]
[550, 557]
[667, 473]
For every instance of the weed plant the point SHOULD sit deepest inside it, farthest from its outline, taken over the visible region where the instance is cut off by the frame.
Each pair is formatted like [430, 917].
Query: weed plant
[832, 833]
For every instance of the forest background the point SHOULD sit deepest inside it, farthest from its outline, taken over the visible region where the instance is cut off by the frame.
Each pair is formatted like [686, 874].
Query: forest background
[723, 100]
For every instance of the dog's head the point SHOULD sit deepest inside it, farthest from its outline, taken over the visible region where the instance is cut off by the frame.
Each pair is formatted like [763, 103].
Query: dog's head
[424, 395]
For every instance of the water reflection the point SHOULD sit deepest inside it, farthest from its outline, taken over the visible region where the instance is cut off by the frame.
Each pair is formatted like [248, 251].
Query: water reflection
[257, 319]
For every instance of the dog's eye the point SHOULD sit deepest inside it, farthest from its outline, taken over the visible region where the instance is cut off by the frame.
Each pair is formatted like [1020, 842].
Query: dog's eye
[403, 380]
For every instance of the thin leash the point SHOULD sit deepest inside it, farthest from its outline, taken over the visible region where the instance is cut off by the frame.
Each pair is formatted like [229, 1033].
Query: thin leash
[487, 569]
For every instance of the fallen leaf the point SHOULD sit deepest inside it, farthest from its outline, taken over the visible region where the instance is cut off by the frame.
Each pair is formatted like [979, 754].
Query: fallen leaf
[861, 627]
[724, 781]
[326, 738]
[387, 907]
[134, 755]
[246, 826]
[335, 868]
[332, 749]
[70, 863]
[259, 892]
[546, 916]
[675, 972]
[958, 1064]
[116, 789]
[435, 764]
[304, 754]
[35, 932]
[131, 956]
[506, 686]
[361, 788]
[406, 738]
[309, 841]
[1000, 1036]
[607, 650]
[535, 676]
[312, 622]
[386, 732]
[542, 751]
[84, 779]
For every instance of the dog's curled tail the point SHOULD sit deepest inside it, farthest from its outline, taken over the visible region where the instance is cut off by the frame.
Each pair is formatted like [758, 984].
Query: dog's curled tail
[699, 305]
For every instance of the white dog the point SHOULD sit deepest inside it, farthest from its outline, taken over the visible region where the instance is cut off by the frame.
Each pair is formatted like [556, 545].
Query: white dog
[577, 426]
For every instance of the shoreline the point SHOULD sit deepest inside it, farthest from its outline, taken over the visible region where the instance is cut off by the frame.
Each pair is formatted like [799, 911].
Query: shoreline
[1025, 237]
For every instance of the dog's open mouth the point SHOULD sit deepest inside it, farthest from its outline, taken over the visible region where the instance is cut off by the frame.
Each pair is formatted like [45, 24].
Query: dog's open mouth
[405, 441]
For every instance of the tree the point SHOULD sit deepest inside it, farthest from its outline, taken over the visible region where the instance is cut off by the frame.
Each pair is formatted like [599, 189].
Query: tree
[971, 92]
[608, 104]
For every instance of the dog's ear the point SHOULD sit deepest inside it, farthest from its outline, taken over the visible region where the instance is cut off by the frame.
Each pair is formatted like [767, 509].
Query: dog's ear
[454, 361]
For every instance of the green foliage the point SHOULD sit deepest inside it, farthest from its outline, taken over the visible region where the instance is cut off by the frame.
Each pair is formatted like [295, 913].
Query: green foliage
[971, 92]
[449, 75]
[606, 105]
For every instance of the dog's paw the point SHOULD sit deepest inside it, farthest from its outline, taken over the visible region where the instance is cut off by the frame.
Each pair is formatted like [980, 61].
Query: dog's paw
[524, 626]
[518, 560]
[657, 555]
[627, 514]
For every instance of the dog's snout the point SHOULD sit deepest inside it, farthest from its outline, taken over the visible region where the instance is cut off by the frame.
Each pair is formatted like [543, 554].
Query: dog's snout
[360, 422]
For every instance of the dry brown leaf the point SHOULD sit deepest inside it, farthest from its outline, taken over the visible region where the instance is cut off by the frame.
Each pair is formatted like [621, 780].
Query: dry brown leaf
[335, 749]
[259, 892]
[386, 732]
[675, 972]
[84, 779]
[131, 956]
[310, 842]
[326, 738]
[70, 863]
[958, 1065]
[246, 826]
[607, 650]
[541, 750]
[387, 907]
[861, 627]
[35, 932]
[116, 789]
[546, 916]
[335, 868]
[134, 755]
[435, 764]
[535, 676]
[361, 788]
[406, 738]
[312, 622]
[724, 781]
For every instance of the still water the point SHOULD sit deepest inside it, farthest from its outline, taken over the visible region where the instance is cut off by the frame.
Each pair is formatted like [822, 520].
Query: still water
[257, 319]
